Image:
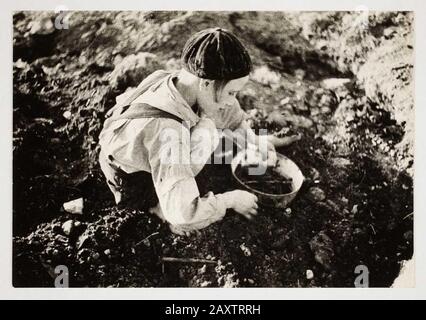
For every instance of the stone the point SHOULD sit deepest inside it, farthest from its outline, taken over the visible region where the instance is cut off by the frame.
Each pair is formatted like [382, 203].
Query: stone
[266, 76]
[341, 162]
[203, 269]
[74, 206]
[205, 284]
[67, 115]
[42, 26]
[67, 227]
[333, 83]
[287, 212]
[316, 194]
[309, 274]
[245, 250]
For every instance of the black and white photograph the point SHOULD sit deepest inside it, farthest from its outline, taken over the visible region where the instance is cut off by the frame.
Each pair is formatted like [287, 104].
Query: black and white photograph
[213, 149]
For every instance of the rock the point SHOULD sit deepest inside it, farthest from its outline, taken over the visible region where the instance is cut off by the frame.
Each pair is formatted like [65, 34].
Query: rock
[266, 76]
[341, 162]
[42, 26]
[82, 240]
[388, 32]
[314, 174]
[309, 274]
[21, 64]
[131, 70]
[203, 269]
[287, 212]
[316, 194]
[245, 250]
[107, 252]
[205, 284]
[68, 227]
[67, 115]
[284, 101]
[322, 247]
[74, 206]
[299, 74]
[333, 83]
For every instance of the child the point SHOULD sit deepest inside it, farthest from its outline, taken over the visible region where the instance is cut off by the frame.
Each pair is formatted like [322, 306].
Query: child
[191, 104]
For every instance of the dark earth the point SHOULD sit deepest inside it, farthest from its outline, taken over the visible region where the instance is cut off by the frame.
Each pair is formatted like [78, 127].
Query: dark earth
[356, 152]
[270, 182]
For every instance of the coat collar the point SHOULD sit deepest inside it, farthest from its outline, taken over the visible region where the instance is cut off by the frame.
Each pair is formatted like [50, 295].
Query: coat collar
[164, 96]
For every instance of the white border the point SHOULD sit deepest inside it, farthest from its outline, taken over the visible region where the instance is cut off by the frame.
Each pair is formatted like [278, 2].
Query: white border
[6, 289]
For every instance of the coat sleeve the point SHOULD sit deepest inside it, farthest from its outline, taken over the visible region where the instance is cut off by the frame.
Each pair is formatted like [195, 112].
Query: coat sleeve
[168, 145]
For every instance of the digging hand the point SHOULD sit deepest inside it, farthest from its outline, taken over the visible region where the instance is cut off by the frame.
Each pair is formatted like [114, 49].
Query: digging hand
[243, 202]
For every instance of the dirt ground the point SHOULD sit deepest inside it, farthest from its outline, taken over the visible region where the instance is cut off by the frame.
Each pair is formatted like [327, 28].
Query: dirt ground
[342, 80]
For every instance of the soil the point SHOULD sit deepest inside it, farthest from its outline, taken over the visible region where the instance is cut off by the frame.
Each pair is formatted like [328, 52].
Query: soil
[270, 182]
[356, 151]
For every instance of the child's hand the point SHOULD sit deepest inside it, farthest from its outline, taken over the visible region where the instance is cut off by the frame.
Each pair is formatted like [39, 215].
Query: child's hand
[243, 202]
[266, 151]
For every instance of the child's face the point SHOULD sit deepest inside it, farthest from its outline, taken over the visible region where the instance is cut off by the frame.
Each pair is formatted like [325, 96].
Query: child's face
[212, 102]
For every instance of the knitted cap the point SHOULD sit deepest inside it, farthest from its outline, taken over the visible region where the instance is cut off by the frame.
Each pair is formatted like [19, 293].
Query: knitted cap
[216, 54]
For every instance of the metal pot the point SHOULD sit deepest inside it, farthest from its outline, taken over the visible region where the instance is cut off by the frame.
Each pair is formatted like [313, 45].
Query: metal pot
[286, 168]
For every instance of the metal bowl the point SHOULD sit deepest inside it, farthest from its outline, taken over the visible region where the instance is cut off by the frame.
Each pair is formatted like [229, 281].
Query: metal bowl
[286, 168]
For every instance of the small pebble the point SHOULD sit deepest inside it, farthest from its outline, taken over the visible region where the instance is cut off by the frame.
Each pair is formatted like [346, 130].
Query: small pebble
[67, 115]
[67, 227]
[245, 250]
[203, 269]
[316, 194]
[309, 274]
